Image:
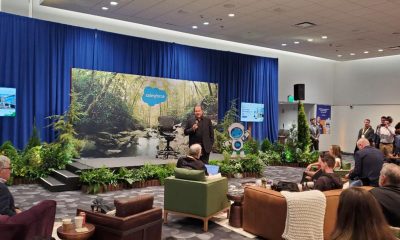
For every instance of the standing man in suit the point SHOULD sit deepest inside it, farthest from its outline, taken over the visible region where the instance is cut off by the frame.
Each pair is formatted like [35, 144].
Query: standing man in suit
[314, 132]
[200, 130]
[368, 162]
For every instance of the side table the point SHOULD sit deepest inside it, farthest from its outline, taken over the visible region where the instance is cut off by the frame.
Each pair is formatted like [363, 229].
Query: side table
[74, 235]
[235, 214]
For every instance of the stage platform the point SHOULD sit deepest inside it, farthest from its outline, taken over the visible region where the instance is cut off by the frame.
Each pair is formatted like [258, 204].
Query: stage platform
[130, 162]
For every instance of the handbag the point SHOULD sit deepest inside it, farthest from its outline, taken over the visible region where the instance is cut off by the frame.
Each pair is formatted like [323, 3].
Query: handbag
[287, 186]
[99, 203]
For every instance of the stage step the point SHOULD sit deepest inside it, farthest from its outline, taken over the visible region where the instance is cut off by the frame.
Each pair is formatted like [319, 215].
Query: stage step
[67, 177]
[76, 167]
[53, 185]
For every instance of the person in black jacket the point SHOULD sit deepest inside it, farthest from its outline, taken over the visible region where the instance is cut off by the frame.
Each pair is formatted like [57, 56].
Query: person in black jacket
[367, 164]
[191, 161]
[328, 179]
[366, 132]
[388, 193]
[6, 199]
[200, 130]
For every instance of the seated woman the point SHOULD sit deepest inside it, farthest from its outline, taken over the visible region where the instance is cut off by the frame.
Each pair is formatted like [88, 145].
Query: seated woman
[192, 160]
[335, 151]
[359, 217]
[328, 179]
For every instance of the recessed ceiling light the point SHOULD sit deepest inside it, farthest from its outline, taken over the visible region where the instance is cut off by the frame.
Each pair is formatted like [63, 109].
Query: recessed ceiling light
[296, 42]
[206, 23]
[113, 3]
[366, 52]
[339, 55]
[324, 37]
[194, 27]
[283, 44]
[352, 54]
[380, 50]
[231, 14]
[310, 40]
[105, 8]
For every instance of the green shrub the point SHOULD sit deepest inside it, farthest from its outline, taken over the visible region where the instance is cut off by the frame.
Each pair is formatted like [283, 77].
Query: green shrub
[34, 140]
[303, 131]
[270, 157]
[252, 164]
[250, 146]
[98, 177]
[266, 145]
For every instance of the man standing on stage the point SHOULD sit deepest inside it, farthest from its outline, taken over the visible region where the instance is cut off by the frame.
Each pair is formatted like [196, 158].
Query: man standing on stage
[366, 132]
[200, 130]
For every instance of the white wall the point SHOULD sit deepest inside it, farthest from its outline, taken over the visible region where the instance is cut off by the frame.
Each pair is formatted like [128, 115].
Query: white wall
[371, 86]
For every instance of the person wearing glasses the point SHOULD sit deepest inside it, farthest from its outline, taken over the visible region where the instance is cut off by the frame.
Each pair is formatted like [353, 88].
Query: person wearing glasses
[7, 206]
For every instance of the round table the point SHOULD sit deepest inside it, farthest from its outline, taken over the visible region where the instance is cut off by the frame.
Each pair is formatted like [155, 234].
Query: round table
[235, 214]
[74, 235]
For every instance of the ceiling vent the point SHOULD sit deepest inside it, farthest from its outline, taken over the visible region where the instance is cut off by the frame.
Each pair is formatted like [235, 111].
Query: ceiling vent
[305, 25]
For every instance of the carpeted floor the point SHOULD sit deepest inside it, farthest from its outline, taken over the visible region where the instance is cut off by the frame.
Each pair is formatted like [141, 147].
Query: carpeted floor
[177, 228]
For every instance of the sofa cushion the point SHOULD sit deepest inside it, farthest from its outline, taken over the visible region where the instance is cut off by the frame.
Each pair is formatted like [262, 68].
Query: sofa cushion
[4, 218]
[189, 174]
[131, 206]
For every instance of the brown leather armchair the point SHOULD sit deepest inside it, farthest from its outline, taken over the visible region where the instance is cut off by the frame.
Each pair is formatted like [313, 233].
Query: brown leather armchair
[264, 212]
[135, 218]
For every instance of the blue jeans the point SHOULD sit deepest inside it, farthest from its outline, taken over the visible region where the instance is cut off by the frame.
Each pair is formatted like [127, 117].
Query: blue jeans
[355, 183]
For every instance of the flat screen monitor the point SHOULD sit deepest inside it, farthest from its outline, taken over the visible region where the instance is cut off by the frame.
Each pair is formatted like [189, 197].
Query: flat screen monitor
[252, 112]
[7, 102]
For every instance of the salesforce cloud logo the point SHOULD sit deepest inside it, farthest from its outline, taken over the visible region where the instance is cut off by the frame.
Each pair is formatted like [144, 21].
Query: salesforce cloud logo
[154, 96]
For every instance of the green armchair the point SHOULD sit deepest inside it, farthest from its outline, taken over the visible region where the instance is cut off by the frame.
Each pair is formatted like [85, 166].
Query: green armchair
[196, 199]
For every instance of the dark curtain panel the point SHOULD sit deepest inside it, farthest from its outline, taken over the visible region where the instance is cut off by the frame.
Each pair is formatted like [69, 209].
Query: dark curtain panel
[37, 57]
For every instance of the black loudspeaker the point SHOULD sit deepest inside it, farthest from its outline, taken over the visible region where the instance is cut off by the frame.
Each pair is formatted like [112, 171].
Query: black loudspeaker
[299, 91]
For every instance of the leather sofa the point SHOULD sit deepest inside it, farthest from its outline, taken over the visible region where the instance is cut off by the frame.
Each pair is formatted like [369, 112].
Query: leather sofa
[135, 218]
[264, 212]
[34, 223]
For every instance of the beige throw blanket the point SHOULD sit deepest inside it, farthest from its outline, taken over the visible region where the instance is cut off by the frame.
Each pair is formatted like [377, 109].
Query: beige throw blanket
[305, 215]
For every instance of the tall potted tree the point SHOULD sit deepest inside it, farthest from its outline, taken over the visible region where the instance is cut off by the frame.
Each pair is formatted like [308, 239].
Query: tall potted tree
[303, 132]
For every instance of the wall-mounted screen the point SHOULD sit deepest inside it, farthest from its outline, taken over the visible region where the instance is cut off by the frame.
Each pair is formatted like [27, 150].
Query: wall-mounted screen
[252, 112]
[7, 102]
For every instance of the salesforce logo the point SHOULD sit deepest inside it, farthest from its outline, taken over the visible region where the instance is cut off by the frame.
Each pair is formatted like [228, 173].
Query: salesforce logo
[154, 96]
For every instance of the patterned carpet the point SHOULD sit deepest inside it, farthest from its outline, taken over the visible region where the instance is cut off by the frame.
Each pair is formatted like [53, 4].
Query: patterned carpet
[177, 228]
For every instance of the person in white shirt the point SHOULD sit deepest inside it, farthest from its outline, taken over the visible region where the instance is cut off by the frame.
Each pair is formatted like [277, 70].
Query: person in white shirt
[386, 134]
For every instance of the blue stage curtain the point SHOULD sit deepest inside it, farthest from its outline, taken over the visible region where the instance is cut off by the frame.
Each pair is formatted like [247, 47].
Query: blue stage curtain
[37, 57]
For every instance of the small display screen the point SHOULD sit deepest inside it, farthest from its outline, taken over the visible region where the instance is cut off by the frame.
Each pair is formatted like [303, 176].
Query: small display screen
[252, 112]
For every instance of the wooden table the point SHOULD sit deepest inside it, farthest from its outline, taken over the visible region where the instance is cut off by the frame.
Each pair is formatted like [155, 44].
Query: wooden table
[236, 212]
[74, 235]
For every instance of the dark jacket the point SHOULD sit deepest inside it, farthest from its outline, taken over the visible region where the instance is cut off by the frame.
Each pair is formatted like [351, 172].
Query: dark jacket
[369, 134]
[204, 135]
[389, 199]
[367, 166]
[190, 163]
[328, 181]
[6, 201]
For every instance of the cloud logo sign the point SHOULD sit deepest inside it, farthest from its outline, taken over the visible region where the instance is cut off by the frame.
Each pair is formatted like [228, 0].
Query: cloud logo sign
[154, 96]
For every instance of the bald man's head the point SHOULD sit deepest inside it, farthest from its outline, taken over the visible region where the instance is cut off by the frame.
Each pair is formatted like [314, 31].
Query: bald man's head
[362, 143]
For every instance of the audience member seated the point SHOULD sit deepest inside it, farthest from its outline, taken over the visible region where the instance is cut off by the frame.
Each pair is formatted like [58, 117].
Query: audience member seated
[328, 179]
[367, 165]
[335, 151]
[309, 174]
[192, 160]
[359, 217]
[388, 193]
[6, 199]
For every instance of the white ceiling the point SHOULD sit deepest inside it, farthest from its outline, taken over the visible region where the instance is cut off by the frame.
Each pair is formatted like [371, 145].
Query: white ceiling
[352, 26]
